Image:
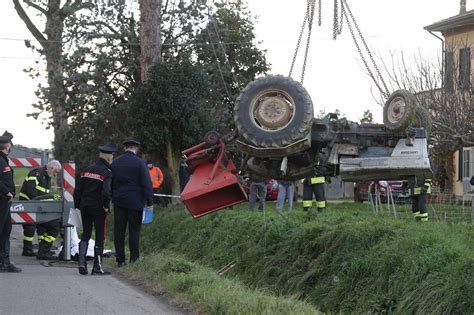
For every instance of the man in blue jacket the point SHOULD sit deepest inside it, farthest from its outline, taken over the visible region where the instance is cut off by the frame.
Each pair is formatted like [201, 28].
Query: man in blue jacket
[131, 192]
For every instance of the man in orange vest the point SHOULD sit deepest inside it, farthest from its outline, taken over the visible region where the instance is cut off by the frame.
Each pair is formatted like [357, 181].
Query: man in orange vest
[156, 176]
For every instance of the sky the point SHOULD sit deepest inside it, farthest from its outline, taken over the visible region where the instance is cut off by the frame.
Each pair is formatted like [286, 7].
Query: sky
[335, 77]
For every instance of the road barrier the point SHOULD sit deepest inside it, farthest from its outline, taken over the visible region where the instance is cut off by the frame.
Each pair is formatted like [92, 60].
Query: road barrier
[41, 211]
[25, 162]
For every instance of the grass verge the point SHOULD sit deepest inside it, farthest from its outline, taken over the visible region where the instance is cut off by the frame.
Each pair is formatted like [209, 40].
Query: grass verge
[346, 260]
[204, 291]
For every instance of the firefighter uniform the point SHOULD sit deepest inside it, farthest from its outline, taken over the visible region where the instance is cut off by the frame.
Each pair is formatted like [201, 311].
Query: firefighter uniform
[7, 186]
[419, 189]
[37, 183]
[315, 185]
[92, 196]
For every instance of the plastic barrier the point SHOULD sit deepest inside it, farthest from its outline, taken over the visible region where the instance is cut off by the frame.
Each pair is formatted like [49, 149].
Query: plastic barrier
[38, 211]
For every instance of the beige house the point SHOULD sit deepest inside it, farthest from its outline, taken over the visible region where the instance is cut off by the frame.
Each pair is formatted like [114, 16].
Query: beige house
[457, 39]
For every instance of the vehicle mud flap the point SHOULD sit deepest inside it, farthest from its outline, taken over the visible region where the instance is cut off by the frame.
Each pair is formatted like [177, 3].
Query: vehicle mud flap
[205, 194]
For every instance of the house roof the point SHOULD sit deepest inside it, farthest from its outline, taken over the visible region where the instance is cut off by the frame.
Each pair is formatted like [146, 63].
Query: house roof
[449, 24]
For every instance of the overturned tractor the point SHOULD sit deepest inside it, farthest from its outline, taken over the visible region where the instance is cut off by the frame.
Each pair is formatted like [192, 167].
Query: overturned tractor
[281, 139]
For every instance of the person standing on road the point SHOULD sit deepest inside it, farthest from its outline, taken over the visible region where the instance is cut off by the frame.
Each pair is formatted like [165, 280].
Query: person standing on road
[92, 196]
[7, 192]
[131, 191]
[37, 183]
[286, 190]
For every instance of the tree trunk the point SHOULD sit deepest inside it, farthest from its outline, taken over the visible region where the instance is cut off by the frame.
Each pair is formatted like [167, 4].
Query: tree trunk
[52, 49]
[173, 158]
[57, 92]
[150, 35]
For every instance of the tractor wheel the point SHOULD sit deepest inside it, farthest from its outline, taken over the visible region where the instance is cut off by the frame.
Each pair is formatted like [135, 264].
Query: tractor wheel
[273, 111]
[422, 119]
[399, 110]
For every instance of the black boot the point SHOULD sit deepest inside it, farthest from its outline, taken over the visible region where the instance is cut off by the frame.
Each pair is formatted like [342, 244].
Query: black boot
[9, 268]
[44, 251]
[98, 270]
[5, 264]
[28, 249]
[83, 257]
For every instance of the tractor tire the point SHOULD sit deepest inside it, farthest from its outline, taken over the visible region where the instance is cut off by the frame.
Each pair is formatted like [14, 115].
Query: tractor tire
[422, 119]
[273, 111]
[399, 111]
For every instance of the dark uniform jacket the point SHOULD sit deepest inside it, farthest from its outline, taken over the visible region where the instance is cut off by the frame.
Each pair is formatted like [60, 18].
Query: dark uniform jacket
[6, 178]
[93, 190]
[37, 183]
[131, 182]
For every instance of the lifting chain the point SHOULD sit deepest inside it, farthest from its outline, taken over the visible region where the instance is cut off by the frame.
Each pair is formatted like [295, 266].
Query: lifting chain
[338, 20]
[341, 12]
[308, 18]
[345, 9]
[320, 6]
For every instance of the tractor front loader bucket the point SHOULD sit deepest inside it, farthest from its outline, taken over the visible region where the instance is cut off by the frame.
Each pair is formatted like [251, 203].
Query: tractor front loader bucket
[213, 184]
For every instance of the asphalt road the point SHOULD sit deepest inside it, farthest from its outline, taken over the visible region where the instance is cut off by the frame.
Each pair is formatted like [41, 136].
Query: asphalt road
[60, 289]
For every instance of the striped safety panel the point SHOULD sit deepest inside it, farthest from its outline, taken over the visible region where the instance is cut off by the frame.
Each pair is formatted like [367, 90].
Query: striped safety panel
[23, 217]
[25, 162]
[69, 181]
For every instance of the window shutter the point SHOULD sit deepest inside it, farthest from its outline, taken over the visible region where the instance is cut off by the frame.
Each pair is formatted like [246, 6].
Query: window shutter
[460, 161]
[464, 68]
[448, 70]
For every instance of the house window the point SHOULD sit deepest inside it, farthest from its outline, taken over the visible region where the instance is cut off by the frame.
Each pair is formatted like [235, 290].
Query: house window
[464, 68]
[448, 70]
[467, 163]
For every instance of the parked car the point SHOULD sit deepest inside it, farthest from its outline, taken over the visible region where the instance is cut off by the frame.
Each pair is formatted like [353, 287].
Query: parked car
[272, 188]
[361, 191]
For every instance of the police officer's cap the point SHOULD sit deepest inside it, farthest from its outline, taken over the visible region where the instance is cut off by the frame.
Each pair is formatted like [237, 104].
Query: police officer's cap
[6, 137]
[108, 148]
[131, 142]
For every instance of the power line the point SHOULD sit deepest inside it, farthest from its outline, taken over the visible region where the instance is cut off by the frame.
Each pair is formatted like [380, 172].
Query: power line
[20, 58]
[174, 45]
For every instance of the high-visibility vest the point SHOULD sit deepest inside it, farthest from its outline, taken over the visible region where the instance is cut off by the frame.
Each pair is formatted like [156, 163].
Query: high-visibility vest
[417, 189]
[314, 180]
[156, 176]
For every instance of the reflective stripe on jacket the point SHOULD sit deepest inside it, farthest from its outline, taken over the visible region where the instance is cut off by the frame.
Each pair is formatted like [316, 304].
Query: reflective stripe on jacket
[36, 183]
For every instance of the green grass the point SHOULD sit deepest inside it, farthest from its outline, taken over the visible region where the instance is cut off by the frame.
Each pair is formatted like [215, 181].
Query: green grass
[19, 176]
[203, 290]
[346, 260]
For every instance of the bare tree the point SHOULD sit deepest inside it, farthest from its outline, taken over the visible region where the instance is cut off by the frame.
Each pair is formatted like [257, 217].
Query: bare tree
[51, 46]
[443, 88]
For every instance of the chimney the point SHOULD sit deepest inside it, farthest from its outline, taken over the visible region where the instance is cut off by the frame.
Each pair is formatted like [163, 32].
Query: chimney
[463, 7]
